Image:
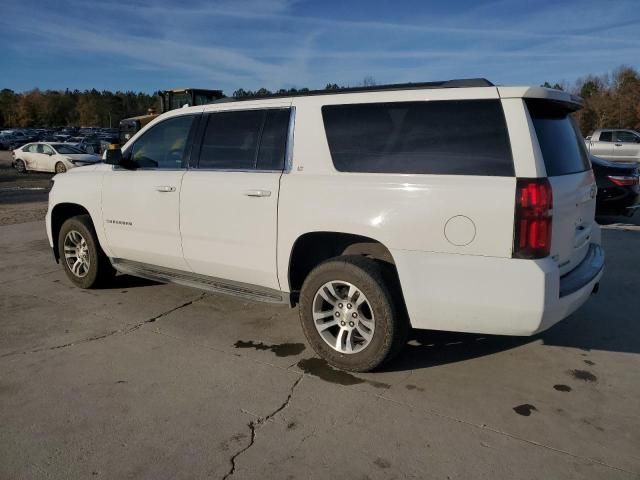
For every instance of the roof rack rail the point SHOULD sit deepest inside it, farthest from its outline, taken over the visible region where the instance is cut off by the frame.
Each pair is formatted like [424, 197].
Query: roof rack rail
[455, 83]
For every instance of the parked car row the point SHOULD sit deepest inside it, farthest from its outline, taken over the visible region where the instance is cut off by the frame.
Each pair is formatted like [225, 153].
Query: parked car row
[89, 140]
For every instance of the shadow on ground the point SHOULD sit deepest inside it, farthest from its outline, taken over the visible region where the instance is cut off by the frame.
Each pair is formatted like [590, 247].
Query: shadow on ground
[128, 281]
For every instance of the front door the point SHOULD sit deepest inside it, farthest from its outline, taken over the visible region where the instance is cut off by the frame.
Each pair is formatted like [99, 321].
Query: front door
[229, 206]
[141, 206]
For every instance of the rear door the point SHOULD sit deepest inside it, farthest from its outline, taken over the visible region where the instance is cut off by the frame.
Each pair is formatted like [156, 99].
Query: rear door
[626, 146]
[28, 156]
[573, 185]
[39, 160]
[229, 202]
[46, 160]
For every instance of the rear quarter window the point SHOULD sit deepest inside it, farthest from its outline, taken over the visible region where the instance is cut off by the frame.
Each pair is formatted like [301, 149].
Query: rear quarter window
[561, 144]
[436, 137]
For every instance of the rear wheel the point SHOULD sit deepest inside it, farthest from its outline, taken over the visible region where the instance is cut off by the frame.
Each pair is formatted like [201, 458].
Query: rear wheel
[83, 260]
[60, 167]
[20, 166]
[350, 315]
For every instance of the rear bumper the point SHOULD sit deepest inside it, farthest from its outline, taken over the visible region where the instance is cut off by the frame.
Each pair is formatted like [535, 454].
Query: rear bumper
[590, 267]
[489, 295]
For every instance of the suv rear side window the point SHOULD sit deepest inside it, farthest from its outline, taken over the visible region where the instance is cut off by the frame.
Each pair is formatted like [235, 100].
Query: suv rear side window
[245, 140]
[440, 137]
[562, 146]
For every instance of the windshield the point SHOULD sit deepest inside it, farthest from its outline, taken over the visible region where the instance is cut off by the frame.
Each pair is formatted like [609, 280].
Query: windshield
[179, 99]
[560, 141]
[66, 149]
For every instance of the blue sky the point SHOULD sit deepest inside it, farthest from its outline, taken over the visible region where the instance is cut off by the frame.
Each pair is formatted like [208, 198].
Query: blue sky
[227, 44]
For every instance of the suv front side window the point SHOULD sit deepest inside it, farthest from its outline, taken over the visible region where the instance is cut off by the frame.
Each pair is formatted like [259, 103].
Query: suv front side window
[47, 150]
[164, 146]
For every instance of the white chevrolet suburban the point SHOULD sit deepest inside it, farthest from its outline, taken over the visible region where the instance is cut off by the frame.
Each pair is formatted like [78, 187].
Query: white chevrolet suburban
[454, 205]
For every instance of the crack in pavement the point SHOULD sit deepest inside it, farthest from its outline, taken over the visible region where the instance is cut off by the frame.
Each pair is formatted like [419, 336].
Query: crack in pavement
[121, 331]
[255, 424]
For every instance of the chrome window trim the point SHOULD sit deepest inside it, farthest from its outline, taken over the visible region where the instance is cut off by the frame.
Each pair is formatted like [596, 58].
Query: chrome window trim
[233, 170]
[288, 155]
[119, 168]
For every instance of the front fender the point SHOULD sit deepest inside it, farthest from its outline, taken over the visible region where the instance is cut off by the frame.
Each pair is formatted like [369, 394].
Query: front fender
[81, 186]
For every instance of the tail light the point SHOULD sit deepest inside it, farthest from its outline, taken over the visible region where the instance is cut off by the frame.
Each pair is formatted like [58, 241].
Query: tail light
[532, 235]
[624, 180]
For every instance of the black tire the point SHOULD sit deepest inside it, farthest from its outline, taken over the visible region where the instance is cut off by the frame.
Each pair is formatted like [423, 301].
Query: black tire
[60, 168]
[100, 271]
[20, 166]
[377, 281]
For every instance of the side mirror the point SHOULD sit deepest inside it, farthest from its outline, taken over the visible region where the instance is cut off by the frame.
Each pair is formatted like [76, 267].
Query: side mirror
[113, 156]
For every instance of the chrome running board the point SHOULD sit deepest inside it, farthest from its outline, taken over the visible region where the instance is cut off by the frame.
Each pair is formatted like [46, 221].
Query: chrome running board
[202, 282]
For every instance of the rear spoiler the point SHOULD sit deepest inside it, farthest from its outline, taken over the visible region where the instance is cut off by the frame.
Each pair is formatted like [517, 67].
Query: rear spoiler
[570, 101]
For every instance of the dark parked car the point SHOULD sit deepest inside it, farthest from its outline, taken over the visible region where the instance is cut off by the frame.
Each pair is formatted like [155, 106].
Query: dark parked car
[6, 141]
[18, 141]
[618, 187]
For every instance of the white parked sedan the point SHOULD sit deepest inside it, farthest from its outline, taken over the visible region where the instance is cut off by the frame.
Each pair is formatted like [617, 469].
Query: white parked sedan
[50, 157]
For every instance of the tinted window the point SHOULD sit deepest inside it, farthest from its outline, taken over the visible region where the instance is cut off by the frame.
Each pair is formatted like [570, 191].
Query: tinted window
[627, 137]
[273, 142]
[164, 146]
[439, 137]
[231, 139]
[562, 146]
[605, 137]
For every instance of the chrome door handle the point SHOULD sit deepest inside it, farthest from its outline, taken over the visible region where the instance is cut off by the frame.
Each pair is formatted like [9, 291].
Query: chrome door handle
[165, 188]
[258, 193]
[618, 144]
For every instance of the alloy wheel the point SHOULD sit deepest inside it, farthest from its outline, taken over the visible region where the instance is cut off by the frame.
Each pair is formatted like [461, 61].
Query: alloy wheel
[343, 317]
[76, 253]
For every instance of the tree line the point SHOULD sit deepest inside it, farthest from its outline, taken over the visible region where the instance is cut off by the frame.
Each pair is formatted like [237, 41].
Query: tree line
[610, 100]
[89, 108]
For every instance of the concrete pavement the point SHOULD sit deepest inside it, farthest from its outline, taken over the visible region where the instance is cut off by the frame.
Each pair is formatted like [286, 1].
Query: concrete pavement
[144, 380]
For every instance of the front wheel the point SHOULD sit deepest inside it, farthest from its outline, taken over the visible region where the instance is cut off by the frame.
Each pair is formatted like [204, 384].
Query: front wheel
[60, 167]
[349, 314]
[83, 260]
